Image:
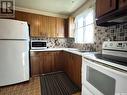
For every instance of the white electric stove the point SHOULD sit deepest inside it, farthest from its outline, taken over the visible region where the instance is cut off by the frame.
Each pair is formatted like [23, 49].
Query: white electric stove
[106, 73]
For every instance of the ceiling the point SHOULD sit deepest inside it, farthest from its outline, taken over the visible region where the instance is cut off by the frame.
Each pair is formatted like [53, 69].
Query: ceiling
[63, 7]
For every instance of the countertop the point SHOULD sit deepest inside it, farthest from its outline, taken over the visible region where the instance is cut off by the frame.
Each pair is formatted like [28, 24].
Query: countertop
[71, 50]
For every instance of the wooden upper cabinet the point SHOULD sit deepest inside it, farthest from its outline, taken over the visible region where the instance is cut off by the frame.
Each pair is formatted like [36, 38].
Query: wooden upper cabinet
[44, 26]
[60, 27]
[108, 11]
[71, 26]
[104, 6]
[122, 3]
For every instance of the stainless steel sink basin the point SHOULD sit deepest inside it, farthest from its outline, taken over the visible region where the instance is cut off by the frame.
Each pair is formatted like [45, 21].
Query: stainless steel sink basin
[82, 51]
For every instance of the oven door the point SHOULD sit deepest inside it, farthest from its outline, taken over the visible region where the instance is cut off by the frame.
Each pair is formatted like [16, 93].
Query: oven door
[103, 80]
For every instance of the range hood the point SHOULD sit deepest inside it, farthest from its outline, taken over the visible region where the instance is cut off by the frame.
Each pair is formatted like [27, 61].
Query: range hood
[113, 18]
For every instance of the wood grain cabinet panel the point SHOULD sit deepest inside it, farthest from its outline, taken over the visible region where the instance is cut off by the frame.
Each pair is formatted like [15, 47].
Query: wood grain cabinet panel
[46, 62]
[110, 12]
[34, 63]
[104, 6]
[72, 66]
[58, 60]
[59, 27]
[70, 23]
[122, 3]
[44, 26]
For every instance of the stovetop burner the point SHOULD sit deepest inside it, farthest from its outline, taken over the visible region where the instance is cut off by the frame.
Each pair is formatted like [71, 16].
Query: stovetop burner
[114, 59]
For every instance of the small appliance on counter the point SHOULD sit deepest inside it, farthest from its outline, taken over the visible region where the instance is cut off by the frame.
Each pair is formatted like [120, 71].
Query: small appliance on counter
[38, 44]
[106, 73]
[14, 52]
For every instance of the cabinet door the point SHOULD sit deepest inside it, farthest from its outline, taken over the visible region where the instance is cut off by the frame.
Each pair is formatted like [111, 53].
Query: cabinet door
[35, 63]
[104, 6]
[76, 63]
[51, 24]
[58, 61]
[122, 3]
[46, 62]
[51, 62]
[67, 63]
[34, 66]
[71, 27]
[72, 67]
[59, 27]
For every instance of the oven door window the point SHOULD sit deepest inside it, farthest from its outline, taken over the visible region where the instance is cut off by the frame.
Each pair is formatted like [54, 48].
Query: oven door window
[105, 84]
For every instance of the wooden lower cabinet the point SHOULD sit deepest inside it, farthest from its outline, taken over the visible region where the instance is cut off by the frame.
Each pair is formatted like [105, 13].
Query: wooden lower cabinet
[52, 61]
[35, 65]
[72, 67]
[122, 3]
[45, 62]
[58, 60]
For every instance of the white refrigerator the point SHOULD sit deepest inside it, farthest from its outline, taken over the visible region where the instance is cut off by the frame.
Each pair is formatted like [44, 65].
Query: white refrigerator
[14, 52]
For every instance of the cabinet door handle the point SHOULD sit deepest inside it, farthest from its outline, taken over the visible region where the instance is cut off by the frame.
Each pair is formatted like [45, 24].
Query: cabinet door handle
[110, 3]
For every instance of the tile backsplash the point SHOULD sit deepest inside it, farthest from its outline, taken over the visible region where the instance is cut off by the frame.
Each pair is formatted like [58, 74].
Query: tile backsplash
[101, 34]
[118, 32]
[56, 42]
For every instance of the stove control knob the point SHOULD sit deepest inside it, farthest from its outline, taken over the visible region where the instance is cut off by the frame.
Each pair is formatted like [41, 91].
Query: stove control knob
[111, 44]
[105, 45]
[124, 46]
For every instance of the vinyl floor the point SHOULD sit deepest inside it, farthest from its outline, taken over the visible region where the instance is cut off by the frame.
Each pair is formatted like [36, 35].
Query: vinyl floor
[31, 87]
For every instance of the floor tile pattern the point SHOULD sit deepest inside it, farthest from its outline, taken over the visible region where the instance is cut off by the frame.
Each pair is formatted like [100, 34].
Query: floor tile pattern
[27, 88]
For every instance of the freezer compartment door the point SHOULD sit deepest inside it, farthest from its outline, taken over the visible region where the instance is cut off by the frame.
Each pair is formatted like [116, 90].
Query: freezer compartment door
[14, 62]
[13, 29]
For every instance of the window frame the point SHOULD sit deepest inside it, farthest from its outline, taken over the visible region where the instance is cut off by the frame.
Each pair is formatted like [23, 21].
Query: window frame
[84, 15]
